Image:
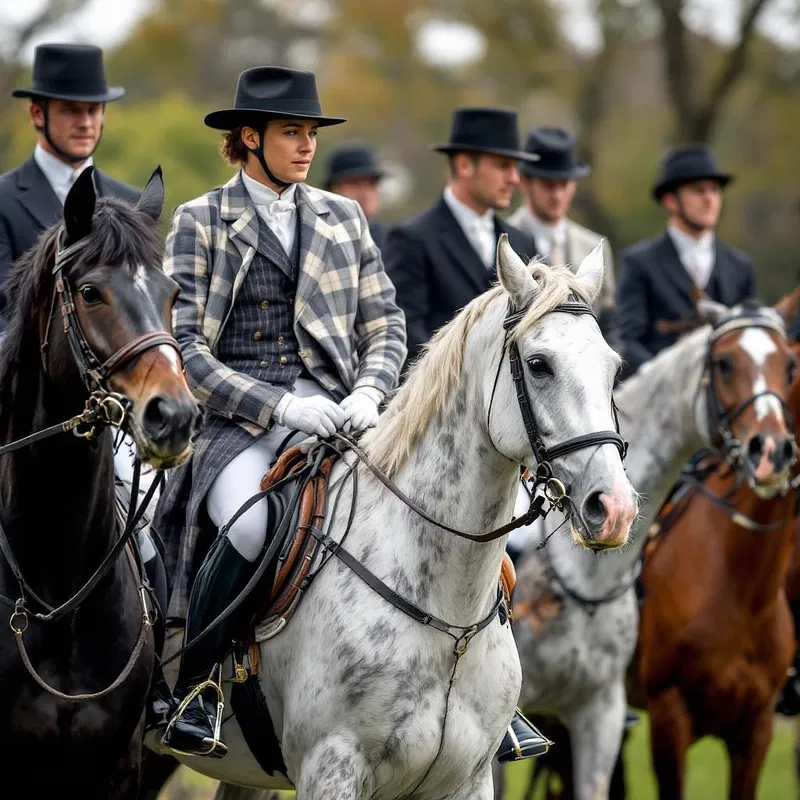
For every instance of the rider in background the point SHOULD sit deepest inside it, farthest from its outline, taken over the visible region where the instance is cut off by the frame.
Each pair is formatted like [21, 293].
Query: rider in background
[659, 277]
[287, 322]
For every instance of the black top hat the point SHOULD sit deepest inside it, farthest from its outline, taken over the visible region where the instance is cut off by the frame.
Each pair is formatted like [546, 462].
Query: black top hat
[485, 130]
[70, 72]
[351, 161]
[556, 150]
[272, 93]
[687, 163]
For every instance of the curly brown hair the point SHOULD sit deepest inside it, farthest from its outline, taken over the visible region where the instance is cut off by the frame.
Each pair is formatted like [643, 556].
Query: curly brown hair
[232, 148]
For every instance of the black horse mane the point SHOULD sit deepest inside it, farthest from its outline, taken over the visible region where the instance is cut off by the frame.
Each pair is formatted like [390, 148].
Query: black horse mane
[121, 235]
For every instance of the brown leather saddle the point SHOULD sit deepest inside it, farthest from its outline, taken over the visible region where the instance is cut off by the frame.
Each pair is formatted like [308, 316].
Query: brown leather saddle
[299, 547]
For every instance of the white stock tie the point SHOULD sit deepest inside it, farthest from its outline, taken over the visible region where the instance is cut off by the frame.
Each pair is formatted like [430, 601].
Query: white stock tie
[281, 207]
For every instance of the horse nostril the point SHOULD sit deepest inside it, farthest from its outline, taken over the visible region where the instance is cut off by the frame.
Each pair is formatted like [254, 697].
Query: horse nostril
[158, 416]
[787, 451]
[755, 447]
[594, 510]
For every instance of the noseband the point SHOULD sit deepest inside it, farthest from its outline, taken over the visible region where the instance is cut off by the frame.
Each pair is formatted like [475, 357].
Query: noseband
[554, 489]
[94, 372]
[719, 420]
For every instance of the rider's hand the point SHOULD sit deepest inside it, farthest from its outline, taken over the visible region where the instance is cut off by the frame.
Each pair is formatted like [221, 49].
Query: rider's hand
[361, 409]
[316, 416]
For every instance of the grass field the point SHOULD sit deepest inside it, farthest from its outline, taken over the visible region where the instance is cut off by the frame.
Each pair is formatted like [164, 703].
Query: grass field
[708, 773]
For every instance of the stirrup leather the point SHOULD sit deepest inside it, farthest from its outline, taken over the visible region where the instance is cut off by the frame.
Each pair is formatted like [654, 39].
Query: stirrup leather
[217, 747]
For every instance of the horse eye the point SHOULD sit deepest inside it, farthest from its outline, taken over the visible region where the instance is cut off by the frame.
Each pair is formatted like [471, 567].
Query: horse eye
[791, 369]
[724, 366]
[539, 367]
[90, 295]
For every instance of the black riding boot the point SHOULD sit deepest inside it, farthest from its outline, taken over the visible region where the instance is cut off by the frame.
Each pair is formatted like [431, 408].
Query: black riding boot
[220, 579]
[160, 703]
[522, 740]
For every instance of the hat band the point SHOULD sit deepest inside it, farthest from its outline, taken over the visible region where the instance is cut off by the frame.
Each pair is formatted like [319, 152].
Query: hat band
[279, 105]
[70, 86]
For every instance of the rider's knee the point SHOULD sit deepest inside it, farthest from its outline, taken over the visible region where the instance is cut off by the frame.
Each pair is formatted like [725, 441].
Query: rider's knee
[249, 532]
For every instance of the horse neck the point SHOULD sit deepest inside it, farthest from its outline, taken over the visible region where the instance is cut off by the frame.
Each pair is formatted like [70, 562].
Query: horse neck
[58, 495]
[657, 412]
[657, 417]
[755, 563]
[455, 475]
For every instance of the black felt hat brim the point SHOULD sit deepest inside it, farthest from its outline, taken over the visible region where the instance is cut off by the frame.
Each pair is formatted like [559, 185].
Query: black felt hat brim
[659, 190]
[520, 155]
[229, 118]
[113, 93]
[533, 170]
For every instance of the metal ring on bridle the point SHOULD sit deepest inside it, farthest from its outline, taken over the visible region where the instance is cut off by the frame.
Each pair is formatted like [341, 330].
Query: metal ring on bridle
[555, 491]
[19, 611]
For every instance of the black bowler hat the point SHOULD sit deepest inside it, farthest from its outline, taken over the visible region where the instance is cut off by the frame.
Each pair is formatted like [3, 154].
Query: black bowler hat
[70, 72]
[272, 93]
[350, 161]
[687, 163]
[556, 149]
[485, 130]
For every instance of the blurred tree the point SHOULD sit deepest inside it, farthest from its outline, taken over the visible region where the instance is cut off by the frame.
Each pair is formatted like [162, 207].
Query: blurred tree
[697, 107]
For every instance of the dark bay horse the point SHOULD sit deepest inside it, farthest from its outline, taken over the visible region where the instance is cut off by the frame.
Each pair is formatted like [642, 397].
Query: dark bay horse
[88, 339]
[716, 636]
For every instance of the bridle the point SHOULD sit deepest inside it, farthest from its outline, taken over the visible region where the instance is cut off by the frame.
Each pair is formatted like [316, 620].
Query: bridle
[103, 408]
[94, 372]
[720, 435]
[555, 491]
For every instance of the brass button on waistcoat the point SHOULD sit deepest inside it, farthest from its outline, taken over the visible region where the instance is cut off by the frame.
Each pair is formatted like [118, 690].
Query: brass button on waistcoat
[283, 361]
[257, 336]
[265, 364]
[264, 305]
[281, 341]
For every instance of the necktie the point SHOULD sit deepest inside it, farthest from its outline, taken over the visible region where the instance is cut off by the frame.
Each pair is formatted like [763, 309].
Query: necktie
[281, 207]
[557, 254]
[484, 237]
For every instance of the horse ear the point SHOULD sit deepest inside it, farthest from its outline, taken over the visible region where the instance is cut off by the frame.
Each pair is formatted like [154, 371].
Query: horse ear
[152, 198]
[79, 206]
[788, 307]
[591, 271]
[514, 276]
[710, 310]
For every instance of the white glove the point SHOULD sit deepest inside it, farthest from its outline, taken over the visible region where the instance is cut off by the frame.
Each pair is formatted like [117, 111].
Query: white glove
[316, 416]
[361, 409]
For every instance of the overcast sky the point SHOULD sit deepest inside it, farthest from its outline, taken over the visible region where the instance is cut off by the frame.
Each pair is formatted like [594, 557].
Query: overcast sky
[106, 22]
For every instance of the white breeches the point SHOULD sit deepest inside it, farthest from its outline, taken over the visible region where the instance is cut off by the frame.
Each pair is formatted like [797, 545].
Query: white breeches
[521, 538]
[241, 479]
[123, 469]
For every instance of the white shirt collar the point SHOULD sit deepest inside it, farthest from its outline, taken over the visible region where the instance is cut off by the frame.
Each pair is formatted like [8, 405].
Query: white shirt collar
[59, 174]
[547, 232]
[263, 197]
[696, 255]
[467, 217]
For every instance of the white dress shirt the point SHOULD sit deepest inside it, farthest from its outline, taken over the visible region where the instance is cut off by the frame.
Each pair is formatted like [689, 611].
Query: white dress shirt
[277, 211]
[696, 255]
[551, 240]
[478, 228]
[59, 174]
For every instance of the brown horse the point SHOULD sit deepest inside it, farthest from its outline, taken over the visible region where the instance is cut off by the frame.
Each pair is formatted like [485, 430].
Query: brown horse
[716, 636]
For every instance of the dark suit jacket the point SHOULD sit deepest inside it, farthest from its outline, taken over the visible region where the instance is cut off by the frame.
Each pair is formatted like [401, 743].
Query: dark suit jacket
[655, 301]
[28, 205]
[379, 230]
[436, 271]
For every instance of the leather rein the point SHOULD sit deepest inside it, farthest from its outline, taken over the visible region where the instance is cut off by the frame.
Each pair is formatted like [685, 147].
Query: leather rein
[103, 408]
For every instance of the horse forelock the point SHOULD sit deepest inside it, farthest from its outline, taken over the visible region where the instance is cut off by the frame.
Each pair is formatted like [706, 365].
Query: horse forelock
[432, 379]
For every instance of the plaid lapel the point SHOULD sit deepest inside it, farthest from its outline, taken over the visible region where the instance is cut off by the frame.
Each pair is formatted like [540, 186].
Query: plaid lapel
[239, 212]
[315, 237]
